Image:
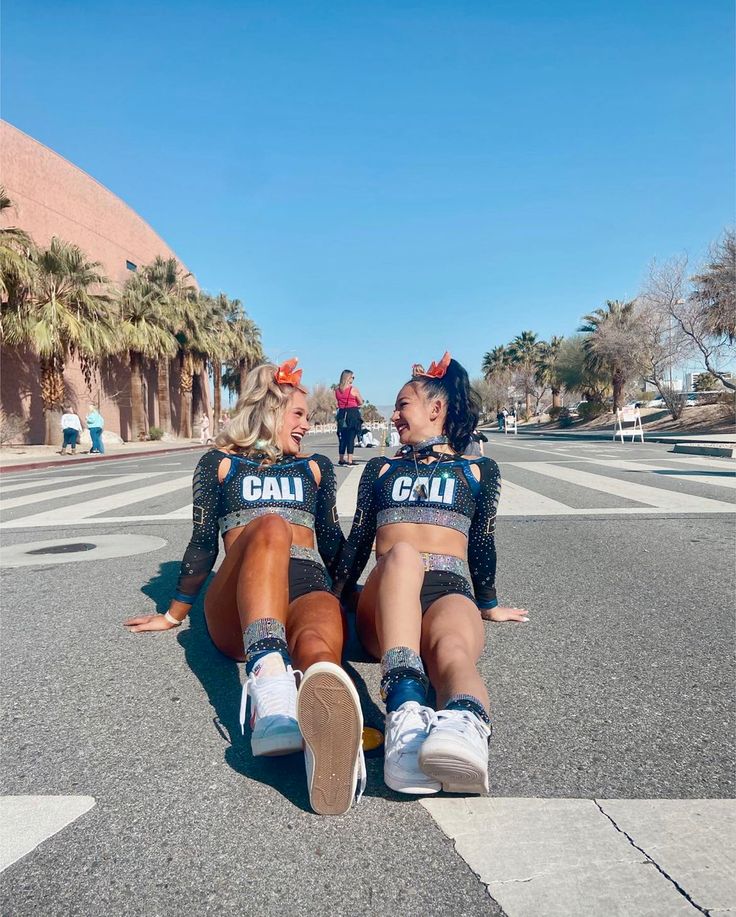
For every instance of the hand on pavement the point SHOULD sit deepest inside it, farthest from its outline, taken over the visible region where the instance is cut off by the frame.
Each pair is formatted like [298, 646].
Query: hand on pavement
[520, 615]
[148, 622]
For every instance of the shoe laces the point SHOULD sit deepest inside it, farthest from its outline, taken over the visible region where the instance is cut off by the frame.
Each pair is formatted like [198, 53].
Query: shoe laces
[411, 724]
[461, 722]
[362, 776]
[271, 695]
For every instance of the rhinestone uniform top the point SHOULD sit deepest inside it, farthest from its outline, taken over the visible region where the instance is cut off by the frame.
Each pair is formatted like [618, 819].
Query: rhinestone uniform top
[250, 490]
[396, 491]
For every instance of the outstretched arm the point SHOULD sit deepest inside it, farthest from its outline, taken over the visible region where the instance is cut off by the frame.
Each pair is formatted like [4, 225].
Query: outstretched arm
[201, 552]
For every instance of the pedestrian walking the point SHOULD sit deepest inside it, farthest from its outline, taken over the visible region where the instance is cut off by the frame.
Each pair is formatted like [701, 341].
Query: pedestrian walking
[270, 603]
[432, 511]
[204, 428]
[71, 427]
[500, 419]
[95, 425]
[348, 417]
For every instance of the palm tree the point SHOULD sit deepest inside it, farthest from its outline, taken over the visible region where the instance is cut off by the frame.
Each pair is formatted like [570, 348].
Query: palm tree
[196, 341]
[547, 374]
[174, 290]
[248, 351]
[67, 312]
[524, 354]
[495, 361]
[611, 343]
[16, 260]
[145, 331]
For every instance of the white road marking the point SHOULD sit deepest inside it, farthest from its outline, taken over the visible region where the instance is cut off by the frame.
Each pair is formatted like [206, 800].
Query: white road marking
[651, 496]
[82, 512]
[719, 480]
[106, 546]
[36, 482]
[71, 491]
[566, 858]
[347, 495]
[520, 501]
[30, 820]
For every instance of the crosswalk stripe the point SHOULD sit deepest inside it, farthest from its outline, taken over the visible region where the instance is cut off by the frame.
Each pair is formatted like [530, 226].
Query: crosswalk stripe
[85, 488]
[83, 511]
[520, 501]
[642, 493]
[704, 478]
[347, 495]
[36, 482]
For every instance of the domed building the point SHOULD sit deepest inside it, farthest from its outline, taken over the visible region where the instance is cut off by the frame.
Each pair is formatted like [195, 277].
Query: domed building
[52, 197]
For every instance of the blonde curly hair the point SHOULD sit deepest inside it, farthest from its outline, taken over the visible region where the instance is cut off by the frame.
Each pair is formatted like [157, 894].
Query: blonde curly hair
[255, 424]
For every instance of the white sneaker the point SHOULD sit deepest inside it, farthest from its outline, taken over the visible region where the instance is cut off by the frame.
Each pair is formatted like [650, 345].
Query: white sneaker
[456, 752]
[331, 721]
[274, 729]
[406, 730]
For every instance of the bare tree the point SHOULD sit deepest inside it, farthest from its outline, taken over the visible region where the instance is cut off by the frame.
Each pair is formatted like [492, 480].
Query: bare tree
[321, 404]
[692, 314]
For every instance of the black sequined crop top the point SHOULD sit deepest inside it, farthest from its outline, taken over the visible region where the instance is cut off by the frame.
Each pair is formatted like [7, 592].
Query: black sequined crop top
[444, 493]
[250, 490]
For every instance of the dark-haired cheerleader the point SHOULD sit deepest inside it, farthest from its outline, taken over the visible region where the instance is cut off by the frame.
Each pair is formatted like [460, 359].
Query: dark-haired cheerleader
[432, 510]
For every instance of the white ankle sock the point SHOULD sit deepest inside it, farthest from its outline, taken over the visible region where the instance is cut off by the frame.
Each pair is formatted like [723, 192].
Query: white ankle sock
[270, 664]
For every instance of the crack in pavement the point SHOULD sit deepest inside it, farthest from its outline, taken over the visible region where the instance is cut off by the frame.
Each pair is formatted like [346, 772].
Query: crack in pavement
[654, 863]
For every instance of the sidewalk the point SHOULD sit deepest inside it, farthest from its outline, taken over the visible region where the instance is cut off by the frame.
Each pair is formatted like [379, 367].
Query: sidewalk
[25, 458]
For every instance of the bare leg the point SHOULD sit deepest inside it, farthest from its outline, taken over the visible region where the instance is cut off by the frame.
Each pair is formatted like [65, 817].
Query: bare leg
[453, 639]
[315, 630]
[389, 610]
[253, 582]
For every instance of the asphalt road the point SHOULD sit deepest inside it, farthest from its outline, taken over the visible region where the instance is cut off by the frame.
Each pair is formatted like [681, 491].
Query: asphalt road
[621, 686]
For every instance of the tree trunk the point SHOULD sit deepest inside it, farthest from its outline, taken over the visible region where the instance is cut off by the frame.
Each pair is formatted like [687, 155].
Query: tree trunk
[618, 387]
[556, 401]
[528, 406]
[217, 397]
[137, 407]
[164, 402]
[52, 398]
[185, 390]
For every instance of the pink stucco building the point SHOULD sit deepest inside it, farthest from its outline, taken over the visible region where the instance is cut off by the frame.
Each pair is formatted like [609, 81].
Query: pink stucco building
[52, 197]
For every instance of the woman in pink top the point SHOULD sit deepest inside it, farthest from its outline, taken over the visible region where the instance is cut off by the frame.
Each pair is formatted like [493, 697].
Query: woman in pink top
[348, 417]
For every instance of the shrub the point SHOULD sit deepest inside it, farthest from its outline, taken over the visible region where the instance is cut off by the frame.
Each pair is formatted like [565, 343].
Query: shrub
[13, 429]
[155, 433]
[565, 417]
[590, 409]
[554, 412]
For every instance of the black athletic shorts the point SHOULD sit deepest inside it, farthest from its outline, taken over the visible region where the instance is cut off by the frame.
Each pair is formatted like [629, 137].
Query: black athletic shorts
[307, 576]
[442, 582]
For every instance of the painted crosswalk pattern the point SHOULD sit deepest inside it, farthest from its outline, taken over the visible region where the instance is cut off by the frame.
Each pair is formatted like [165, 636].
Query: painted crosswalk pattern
[570, 484]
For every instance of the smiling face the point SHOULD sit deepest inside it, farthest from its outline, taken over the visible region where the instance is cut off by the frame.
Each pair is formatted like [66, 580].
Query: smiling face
[295, 424]
[417, 417]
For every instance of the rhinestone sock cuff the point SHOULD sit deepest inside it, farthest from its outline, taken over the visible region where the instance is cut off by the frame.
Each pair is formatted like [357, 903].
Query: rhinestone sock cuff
[471, 704]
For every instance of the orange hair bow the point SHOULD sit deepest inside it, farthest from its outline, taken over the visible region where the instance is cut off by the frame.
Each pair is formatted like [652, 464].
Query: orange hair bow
[287, 374]
[435, 371]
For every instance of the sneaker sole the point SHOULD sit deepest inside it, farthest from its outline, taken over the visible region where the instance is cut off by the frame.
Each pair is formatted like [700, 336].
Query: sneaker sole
[455, 775]
[331, 722]
[399, 786]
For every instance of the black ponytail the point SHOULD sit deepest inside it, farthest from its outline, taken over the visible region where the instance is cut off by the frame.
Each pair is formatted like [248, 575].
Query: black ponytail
[463, 406]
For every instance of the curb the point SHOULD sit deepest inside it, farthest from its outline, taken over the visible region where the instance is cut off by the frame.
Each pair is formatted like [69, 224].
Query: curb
[53, 463]
[724, 451]
[670, 439]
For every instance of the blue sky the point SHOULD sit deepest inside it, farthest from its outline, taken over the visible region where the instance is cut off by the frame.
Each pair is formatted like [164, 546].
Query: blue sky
[379, 181]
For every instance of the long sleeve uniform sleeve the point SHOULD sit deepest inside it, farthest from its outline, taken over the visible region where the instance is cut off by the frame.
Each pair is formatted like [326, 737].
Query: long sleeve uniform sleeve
[357, 548]
[481, 537]
[203, 548]
[330, 539]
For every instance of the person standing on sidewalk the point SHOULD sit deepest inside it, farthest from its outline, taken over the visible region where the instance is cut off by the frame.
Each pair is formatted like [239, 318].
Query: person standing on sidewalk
[270, 603]
[432, 512]
[204, 428]
[71, 427]
[348, 417]
[95, 425]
